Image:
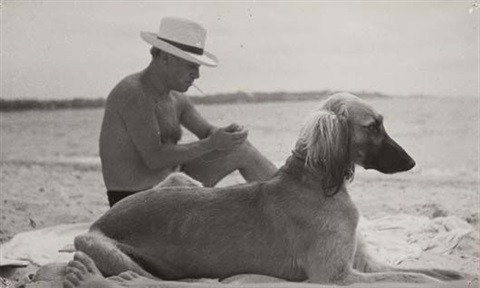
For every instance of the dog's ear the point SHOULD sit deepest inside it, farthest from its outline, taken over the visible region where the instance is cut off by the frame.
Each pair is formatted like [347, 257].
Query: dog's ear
[325, 143]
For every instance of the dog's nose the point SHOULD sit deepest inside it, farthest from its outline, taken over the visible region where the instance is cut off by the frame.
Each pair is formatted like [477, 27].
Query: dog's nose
[411, 163]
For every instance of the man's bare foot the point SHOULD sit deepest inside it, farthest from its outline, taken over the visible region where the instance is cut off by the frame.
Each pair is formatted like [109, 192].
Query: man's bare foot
[132, 279]
[82, 272]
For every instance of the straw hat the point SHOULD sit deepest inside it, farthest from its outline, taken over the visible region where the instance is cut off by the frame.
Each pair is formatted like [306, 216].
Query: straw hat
[182, 38]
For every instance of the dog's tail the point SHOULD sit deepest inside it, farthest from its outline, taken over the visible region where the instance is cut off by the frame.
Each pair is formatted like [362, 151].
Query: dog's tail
[109, 259]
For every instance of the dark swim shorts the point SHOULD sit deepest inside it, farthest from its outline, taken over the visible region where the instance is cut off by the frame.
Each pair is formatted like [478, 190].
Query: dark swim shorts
[115, 196]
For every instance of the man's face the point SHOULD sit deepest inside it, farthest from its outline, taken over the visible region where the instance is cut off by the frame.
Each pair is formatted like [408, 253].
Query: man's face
[181, 73]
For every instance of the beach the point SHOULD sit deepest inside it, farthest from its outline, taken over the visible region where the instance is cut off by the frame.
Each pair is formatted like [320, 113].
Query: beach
[51, 172]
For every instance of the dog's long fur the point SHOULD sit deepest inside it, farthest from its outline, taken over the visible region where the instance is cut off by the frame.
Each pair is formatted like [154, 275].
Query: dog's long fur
[300, 225]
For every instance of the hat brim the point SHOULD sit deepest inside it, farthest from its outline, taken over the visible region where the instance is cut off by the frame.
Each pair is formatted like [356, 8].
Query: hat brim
[206, 59]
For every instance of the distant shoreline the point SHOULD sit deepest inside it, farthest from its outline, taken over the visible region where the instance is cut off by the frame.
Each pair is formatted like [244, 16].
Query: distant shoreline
[225, 98]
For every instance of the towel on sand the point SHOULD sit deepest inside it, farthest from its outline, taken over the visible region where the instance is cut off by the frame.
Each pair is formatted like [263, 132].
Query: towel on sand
[393, 239]
[42, 246]
[397, 238]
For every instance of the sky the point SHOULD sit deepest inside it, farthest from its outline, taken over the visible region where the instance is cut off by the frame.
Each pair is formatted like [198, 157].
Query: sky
[82, 49]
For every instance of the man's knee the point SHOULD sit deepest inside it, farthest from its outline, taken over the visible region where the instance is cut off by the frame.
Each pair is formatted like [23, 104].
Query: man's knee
[238, 157]
[243, 152]
[178, 180]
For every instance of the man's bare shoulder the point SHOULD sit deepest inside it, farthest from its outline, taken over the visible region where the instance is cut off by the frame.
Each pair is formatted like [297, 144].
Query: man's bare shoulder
[128, 91]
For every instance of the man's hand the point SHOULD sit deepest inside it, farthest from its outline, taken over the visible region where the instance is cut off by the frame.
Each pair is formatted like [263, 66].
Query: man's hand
[228, 138]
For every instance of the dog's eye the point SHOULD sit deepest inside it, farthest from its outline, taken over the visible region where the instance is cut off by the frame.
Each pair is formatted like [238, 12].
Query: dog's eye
[373, 128]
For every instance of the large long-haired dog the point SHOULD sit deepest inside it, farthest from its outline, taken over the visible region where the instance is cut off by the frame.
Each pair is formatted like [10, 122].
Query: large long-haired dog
[300, 225]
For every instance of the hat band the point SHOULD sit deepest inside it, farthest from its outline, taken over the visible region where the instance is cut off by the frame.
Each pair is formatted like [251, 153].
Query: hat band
[187, 48]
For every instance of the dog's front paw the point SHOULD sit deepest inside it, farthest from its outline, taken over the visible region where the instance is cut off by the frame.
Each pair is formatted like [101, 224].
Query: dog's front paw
[447, 275]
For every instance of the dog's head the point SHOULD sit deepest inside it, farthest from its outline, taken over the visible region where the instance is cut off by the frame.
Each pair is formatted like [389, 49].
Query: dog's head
[347, 131]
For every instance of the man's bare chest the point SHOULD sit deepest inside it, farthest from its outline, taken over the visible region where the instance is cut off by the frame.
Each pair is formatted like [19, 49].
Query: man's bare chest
[168, 116]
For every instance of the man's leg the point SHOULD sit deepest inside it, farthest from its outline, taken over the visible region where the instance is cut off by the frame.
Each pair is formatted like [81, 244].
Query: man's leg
[213, 167]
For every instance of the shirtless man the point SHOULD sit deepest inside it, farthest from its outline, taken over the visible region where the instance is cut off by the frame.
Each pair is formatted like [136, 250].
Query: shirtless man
[144, 114]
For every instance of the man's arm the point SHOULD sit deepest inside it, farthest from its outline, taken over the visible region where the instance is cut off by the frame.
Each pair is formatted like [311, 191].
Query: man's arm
[139, 117]
[195, 123]
[192, 120]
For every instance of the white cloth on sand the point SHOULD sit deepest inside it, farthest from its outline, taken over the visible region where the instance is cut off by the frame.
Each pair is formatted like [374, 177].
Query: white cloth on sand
[393, 239]
[42, 246]
[397, 238]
